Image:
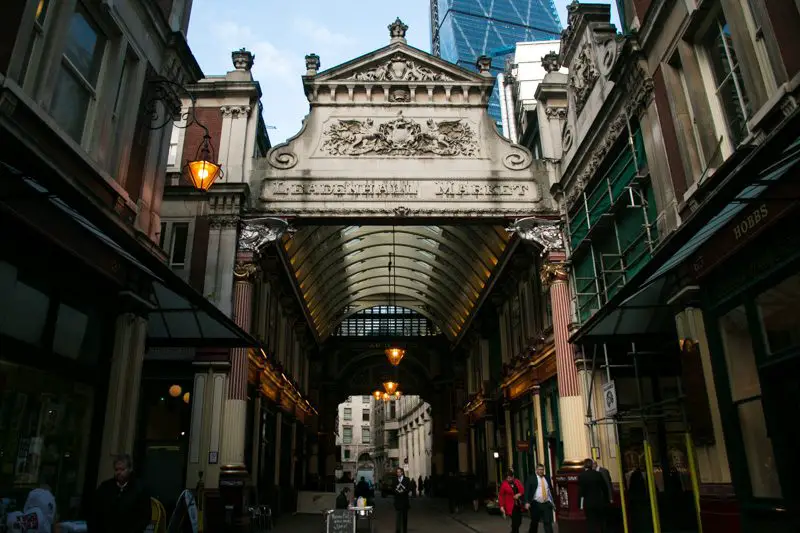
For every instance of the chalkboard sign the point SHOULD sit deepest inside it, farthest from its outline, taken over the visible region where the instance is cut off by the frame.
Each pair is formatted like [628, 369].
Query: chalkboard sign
[341, 521]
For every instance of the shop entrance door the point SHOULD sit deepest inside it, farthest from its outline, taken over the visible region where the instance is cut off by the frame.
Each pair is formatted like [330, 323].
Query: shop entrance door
[781, 397]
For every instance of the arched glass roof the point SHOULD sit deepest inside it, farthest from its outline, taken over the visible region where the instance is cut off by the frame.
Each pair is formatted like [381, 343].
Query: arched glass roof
[439, 272]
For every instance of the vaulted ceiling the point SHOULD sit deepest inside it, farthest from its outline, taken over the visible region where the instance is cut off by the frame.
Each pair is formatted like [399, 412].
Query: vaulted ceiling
[439, 271]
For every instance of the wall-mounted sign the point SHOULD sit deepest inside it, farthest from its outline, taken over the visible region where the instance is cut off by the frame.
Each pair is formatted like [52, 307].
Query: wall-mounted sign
[610, 398]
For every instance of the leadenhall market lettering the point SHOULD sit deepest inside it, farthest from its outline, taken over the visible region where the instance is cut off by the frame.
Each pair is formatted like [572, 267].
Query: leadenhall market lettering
[421, 189]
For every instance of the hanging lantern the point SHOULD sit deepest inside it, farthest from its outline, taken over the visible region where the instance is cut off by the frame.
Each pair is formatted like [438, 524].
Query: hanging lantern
[385, 397]
[390, 386]
[175, 391]
[186, 397]
[395, 355]
[203, 171]
[397, 394]
[377, 394]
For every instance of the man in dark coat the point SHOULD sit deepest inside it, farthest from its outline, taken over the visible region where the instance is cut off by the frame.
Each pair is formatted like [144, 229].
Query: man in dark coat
[122, 503]
[607, 477]
[540, 502]
[401, 502]
[594, 497]
[343, 499]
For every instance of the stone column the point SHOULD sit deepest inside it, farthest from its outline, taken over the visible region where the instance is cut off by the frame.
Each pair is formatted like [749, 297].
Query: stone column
[491, 462]
[509, 437]
[463, 432]
[205, 434]
[439, 421]
[124, 381]
[571, 408]
[278, 451]
[474, 450]
[537, 416]
[235, 423]
[293, 459]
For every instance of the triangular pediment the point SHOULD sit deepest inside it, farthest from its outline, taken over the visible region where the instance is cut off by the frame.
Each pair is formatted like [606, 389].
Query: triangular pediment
[399, 63]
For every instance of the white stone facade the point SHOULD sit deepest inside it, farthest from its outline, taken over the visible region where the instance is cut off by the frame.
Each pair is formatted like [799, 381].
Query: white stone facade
[415, 436]
[354, 431]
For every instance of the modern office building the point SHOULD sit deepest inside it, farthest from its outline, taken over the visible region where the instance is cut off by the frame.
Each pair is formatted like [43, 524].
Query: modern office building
[463, 30]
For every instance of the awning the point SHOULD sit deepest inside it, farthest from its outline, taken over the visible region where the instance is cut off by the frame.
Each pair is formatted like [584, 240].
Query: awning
[646, 312]
[181, 317]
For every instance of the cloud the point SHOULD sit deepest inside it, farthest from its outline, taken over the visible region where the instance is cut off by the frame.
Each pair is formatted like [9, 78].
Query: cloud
[271, 62]
[321, 35]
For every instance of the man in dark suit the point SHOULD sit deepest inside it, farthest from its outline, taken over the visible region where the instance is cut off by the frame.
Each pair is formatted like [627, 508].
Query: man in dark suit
[401, 503]
[594, 497]
[607, 477]
[539, 496]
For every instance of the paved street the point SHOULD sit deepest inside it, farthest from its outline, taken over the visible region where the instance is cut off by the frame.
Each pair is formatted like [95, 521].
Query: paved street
[427, 515]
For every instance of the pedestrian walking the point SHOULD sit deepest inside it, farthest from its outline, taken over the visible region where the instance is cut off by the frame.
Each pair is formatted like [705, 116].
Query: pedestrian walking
[401, 502]
[421, 486]
[540, 503]
[511, 500]
[122, 503]
[594, 497]
[607, 478]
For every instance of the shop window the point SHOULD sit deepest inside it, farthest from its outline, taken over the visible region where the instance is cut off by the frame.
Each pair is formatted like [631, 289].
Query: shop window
[76, 86]
[728, 81]
[746, 395]
[779, 311]
[24, 311]
[45, 427]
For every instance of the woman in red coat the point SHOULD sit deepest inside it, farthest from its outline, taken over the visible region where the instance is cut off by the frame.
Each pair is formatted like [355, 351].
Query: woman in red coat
[511, 500]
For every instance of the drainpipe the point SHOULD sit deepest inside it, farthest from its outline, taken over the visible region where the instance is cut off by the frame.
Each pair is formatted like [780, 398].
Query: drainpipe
[501, 90]
[512, 119]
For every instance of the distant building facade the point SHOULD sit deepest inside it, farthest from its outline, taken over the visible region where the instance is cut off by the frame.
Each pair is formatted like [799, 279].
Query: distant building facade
[354, 435]
[415, 435]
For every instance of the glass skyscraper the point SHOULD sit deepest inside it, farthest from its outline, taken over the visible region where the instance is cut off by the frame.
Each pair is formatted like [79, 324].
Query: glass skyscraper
[463, 30]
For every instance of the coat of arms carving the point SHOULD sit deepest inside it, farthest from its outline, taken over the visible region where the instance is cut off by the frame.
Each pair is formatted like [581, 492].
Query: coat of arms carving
[399, 68]
[400, 137]
[582, 77]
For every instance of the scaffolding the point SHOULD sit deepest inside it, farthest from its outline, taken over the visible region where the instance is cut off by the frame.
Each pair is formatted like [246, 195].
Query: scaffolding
[611, 227]
[665, 410]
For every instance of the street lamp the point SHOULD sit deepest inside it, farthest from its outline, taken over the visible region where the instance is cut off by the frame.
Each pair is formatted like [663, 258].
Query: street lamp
[203, 172]
[163, 104]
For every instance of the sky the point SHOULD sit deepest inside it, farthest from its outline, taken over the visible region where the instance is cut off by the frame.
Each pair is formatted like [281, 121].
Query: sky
[280, 34]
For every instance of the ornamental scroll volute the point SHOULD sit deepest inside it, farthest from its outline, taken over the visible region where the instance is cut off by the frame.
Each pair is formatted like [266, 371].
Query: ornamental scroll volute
[400, 131]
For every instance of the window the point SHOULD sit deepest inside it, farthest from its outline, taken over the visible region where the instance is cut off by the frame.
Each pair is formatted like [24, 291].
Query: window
[178, 244]
[779, 312]
[347, 434]
[346, 453]
[348, 413]
[366, 399]
[365, 435]
[746, 395]
[76, 85]
[365, 415]
[728, 81]
[34, 51]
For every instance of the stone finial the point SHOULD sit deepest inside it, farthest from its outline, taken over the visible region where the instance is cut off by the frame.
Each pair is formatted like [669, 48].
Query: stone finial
[484, 65]
[550, 62]
[397, 31]
[242, 59]
[312, 64]
[572, 12]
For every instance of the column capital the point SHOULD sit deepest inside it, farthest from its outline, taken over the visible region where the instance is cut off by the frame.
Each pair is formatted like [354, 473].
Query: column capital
[552, 272]
[245, 271]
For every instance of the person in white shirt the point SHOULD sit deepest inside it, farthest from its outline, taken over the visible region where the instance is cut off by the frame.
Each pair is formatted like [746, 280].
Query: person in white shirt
[539, 493]
[38, 515]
